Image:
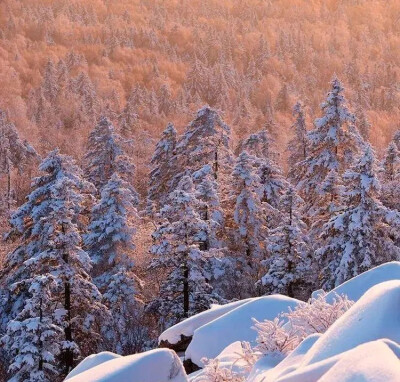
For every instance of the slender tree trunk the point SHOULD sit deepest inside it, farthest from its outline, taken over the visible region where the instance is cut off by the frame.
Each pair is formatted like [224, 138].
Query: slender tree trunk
[186, 280]
[68, 357]
[40, 334]
[185, 290]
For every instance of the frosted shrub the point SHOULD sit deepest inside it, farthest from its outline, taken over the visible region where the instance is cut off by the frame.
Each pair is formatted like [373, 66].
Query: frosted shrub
[274, 338]
[318, 315]
[214, 372]
[282, 336]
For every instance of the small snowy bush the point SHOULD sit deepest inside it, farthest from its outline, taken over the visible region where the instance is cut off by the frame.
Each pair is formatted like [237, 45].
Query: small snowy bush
[280, 337]
[318, 315]
[274, 338]
[214, 372]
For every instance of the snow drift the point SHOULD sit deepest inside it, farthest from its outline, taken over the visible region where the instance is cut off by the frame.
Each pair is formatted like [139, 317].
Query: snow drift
[160, 365]
[209, 340]
[357, 286]
[187, 327]
[92, 361]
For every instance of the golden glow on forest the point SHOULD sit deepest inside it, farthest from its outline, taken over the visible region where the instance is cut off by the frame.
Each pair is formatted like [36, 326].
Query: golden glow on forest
[252, 59]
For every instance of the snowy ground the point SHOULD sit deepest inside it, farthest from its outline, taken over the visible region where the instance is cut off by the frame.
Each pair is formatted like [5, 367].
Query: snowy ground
[361, 346]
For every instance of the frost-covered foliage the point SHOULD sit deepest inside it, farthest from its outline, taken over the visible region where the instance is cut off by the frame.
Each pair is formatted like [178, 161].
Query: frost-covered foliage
[109, 239]
[362, 235]
[248, 213]
[163, 170]
[215, 372]
[317, 315]
[47, 275]
[186, 289]
[283, 334]
[105, 155]
[288, 261]
[274, 338]
[332, 147]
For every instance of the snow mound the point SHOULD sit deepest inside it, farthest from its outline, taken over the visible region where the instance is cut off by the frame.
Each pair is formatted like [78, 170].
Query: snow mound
[265, 370]
[375, 361]
[160, 365]
[187, 327]
[373, 317]
[358, 285]
[92, 361]
[209, 340]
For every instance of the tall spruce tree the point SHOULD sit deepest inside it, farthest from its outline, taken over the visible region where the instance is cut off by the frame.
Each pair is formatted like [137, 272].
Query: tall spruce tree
[186, 289]
[250, 222]
[108, 241]
[390, 177]
[288, 260]
[332, 147]
[363, 235]
[205, 141]
[298, 146]
[105, 155]
[164, 168]
[50, 270]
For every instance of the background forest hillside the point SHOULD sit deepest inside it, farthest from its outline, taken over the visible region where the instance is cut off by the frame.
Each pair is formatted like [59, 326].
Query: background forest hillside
[147, 62]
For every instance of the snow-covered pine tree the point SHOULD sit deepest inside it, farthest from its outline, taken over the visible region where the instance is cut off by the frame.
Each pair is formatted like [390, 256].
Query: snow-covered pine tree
[205, 141]
[108, 241]
[362, 122]
[163, 170]
[129, 118]
[362, 235]
[14, 154]
[186, 289]
[248, 215]
[390, 177]
[333, 145]
[50, 249]
[298, 145]
[105, 155]
[206, 191]
[288, 260]
[272, 181]
[32, 339]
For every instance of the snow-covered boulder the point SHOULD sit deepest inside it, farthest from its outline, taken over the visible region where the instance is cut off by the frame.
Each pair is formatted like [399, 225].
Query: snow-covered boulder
[92, 361]
[184, 330]
[160, 365]
[358, 285]
[210, 339]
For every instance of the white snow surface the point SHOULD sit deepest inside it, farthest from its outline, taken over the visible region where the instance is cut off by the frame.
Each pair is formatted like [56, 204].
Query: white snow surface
[358, 285]
[375, 361]
[188, 326]
[373, 317]
[209, 340]
[92, 361]
[159, 365]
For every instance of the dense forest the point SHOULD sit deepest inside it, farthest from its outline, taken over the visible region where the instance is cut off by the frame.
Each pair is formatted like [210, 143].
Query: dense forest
[160, 157]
